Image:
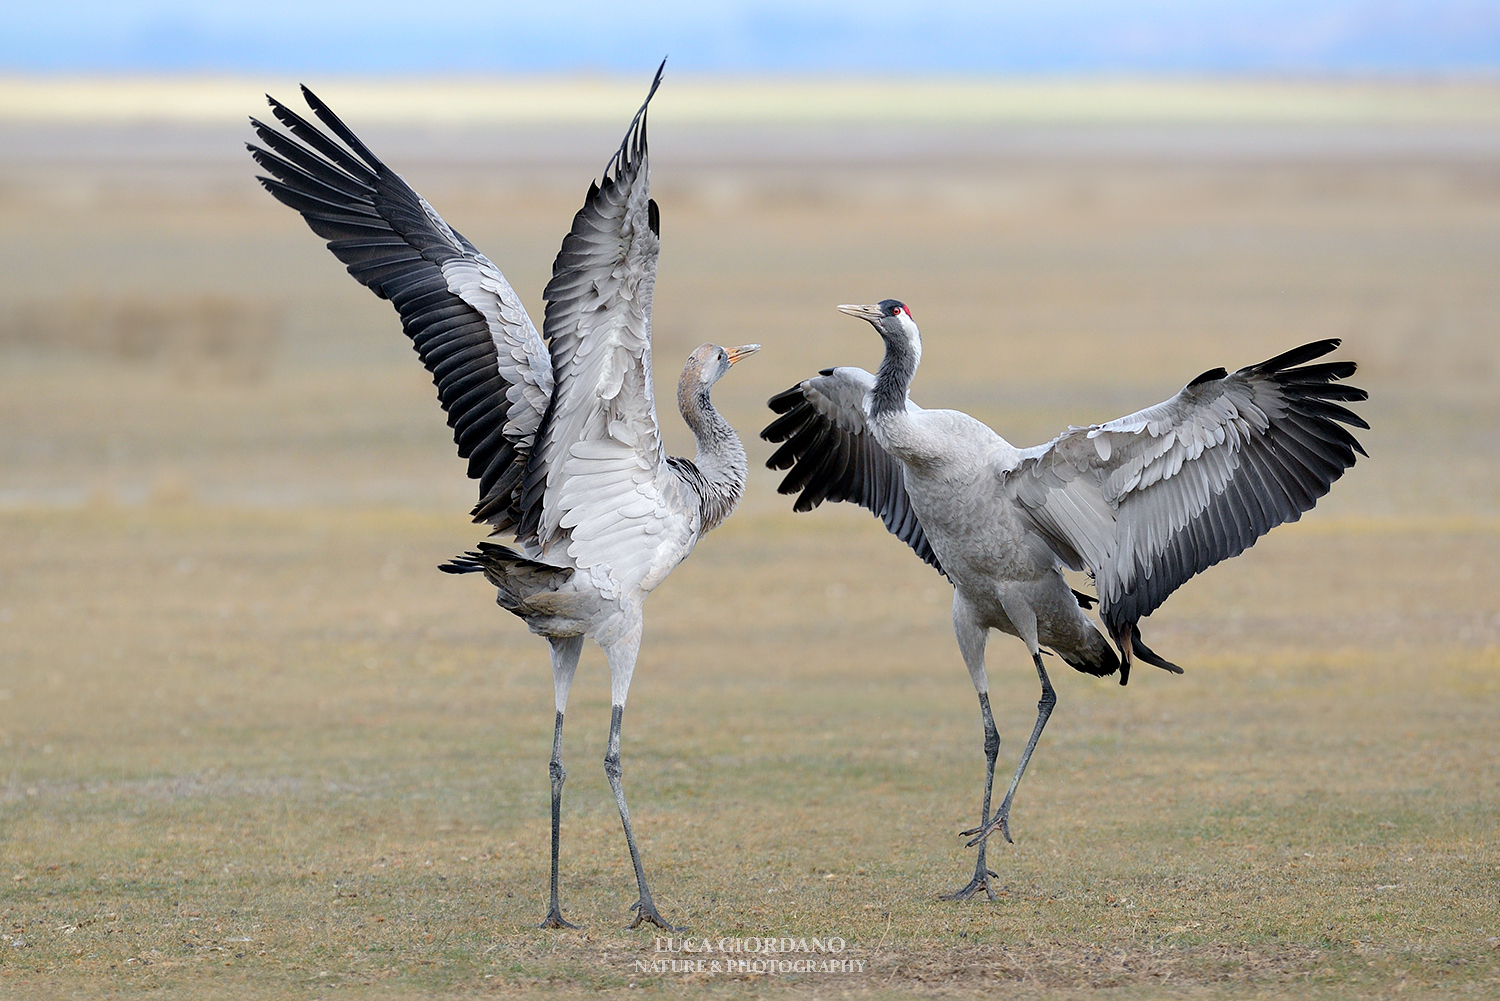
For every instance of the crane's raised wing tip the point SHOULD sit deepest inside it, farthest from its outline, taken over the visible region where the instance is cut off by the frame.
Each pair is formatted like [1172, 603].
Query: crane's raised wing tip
[313, 101]
[634, 143]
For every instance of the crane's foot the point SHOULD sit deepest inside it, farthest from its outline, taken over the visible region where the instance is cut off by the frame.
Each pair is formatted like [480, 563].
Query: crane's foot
[645, 911]
[1001, 822]
[981, 880]
[554, 919]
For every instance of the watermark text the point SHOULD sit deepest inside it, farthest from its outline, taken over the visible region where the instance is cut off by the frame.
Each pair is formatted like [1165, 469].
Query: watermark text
[734, 955]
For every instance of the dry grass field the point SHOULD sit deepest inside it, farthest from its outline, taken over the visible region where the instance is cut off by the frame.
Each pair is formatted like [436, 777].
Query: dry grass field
[253, 744]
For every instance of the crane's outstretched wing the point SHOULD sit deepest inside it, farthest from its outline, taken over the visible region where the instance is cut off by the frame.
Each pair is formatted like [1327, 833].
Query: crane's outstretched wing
[833, 455]
[1147, 501]
[493, 374]
[600, 482]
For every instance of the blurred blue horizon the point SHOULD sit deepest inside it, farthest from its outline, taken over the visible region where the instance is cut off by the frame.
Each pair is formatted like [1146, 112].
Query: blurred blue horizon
[1211, 37]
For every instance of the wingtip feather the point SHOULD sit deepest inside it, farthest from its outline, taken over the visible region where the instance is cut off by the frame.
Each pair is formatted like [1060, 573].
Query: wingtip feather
[1299, 355]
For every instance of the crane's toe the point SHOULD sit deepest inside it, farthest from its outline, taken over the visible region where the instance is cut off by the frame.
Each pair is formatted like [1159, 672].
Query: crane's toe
[645, 911]
[981, 880]
[554, 919]
[1001, 822]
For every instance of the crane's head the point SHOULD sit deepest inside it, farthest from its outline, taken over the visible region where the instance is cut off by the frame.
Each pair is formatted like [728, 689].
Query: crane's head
[707, 365]
[892, 319]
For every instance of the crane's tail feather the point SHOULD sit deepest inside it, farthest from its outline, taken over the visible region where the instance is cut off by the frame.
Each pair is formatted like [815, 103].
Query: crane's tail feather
[1148, 655]
[1101, 662]
[1128, 639]
[503, 562]
[1095, 657]
[518, 578]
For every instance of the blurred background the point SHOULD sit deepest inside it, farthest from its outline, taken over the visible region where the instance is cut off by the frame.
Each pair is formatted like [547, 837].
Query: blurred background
[1402, 37]
[1083, 201]
[224, 479]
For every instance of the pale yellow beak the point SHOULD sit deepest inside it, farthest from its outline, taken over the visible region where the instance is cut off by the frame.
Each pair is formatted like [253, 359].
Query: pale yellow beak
[735, 354]
[871, 313]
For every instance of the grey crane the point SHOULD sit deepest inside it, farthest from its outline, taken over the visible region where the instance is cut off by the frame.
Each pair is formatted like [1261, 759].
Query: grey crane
[559, 428]
[1142, 503]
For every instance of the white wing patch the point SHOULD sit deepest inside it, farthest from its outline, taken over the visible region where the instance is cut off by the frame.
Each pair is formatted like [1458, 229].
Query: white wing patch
[523, 359]
[522, 356]
[1151, 499]
[611, 503]
[1097, 483]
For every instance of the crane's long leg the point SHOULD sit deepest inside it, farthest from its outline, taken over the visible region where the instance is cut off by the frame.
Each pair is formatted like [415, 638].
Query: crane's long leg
[622, 654]
[971, 642]
[1044, 706]
[565, 653]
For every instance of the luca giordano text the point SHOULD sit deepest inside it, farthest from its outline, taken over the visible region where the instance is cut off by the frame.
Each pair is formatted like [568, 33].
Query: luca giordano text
[726, 955]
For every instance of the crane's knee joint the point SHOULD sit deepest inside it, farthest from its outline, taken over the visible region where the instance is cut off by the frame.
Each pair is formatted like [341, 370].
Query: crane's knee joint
[558, 772]
[612, 766]
[1047, 701]
[991, 743]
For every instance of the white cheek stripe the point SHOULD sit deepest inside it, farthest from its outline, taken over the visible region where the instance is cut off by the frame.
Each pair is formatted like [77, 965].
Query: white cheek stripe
[913, 336]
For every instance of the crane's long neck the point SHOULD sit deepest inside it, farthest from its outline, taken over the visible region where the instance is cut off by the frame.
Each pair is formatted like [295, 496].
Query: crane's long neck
[720, 464]
[897, 369]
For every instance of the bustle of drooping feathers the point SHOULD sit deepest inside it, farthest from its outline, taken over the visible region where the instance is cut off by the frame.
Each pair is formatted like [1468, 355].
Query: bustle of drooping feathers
[518, 578]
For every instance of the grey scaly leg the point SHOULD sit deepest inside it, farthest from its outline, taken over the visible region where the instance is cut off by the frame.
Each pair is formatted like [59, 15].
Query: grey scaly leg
[621, 646]
[1043, 710]
[564, 662]
[972, 637]
[645, 908]
[982, 871]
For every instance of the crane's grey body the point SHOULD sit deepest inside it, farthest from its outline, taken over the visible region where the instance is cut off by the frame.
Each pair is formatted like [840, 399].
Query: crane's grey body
[1004, 576]
[560, 427]
[1142, 503]
[628, 519]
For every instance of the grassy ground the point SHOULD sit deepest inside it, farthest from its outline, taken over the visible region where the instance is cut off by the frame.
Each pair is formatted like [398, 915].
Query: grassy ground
[253, 744]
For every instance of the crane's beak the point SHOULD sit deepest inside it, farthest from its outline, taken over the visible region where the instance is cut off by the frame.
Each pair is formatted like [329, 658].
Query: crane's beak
[735, 354]
[871, 313]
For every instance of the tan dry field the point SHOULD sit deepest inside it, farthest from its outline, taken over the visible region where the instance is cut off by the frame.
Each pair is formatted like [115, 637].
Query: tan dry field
[254, 745]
